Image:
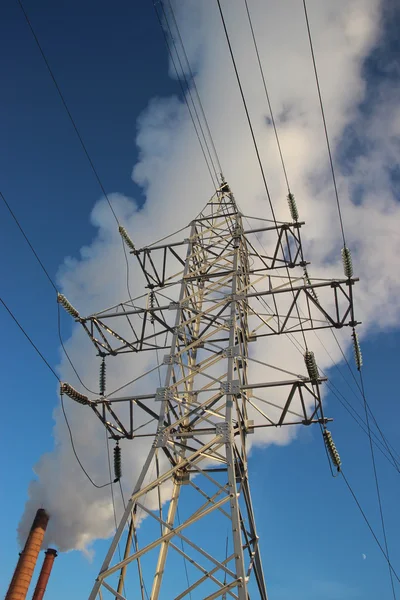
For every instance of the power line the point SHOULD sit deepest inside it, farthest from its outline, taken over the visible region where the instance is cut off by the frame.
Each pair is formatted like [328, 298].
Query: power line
[62, 98]
[189, 91]
[74, 449]
[336, 191]
[267, 94]
[338, 394]
[247, 112]
[386, 554]
[28, 242]
[214, 182]
[369, 526]
[386, 442]
[324, 122]
[61, 395]
[358, 419]
[378, 493]
[195, 87]
[74, 125]
[259, 159]
[45, 271]
[29, 339]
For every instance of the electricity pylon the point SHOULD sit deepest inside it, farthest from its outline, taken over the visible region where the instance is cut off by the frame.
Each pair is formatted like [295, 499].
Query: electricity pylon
[210, 297]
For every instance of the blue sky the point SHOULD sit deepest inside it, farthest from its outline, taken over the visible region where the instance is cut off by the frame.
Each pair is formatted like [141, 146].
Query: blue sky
[109, 64]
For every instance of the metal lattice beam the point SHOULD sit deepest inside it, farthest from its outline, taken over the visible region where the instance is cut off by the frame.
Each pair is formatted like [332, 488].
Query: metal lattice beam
[209, 297]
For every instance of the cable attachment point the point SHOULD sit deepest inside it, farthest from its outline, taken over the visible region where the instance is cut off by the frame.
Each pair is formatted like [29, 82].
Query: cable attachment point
[225, 189]
[357, 350]
[61, 299]
[311, 365]
[308, 282]
[117, 463]
[102, 377]
[151, 305]
[294, 213]
[126, 238]
[68, 390]
[333, 453]
[347, 262]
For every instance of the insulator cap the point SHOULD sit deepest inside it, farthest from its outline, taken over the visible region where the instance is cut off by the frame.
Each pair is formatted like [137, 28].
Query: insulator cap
[126, 238]
[117, 463]
[333, 453]
[357, 350]
[347, 262]
[294, 213]
[68, 390]
[311, 365]
[61, 299]
[102, 377]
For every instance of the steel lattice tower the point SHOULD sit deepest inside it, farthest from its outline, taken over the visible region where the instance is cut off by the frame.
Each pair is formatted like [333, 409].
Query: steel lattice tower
[210, 296]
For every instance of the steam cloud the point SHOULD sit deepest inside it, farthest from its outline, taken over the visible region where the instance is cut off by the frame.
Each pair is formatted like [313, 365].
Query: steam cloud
[173, 175]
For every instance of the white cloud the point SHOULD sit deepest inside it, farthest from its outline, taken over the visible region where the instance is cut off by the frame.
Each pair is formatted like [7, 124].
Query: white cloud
[176, 183]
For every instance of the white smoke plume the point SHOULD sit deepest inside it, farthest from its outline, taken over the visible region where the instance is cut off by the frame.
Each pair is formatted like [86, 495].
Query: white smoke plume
[176, 184]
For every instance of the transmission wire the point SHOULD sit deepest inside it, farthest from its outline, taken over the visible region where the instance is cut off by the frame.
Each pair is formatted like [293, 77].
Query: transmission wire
[66, 108]
[247, 112]
[378, 493]
[369, 525]
[267, 94]
[74, 449]
[215, 185]
[29, 339]
[45, 271]
[385, 554]
[288, 186]
[28, 242]
[367, 408]
[189, 91]
[61, 395]
[258, 155]
[324, 121]
[384, 438]
[74, 125]
[332, 387]
[195, 88]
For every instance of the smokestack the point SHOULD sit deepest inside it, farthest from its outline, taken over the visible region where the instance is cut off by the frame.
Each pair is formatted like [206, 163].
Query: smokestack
[47, 566]
[27, 559]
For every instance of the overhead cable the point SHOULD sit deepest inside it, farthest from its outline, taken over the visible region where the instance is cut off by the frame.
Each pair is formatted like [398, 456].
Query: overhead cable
[61, 395]
[28, 242]
[214, 181]
[188, 90]
[29, 339]
[324, 122]
[71, 118]
[267, 97]
[195, 87]
[369, 526]
[258, 157]
[377, 486]
[80, 138]
[389, 447]
[347, 261]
